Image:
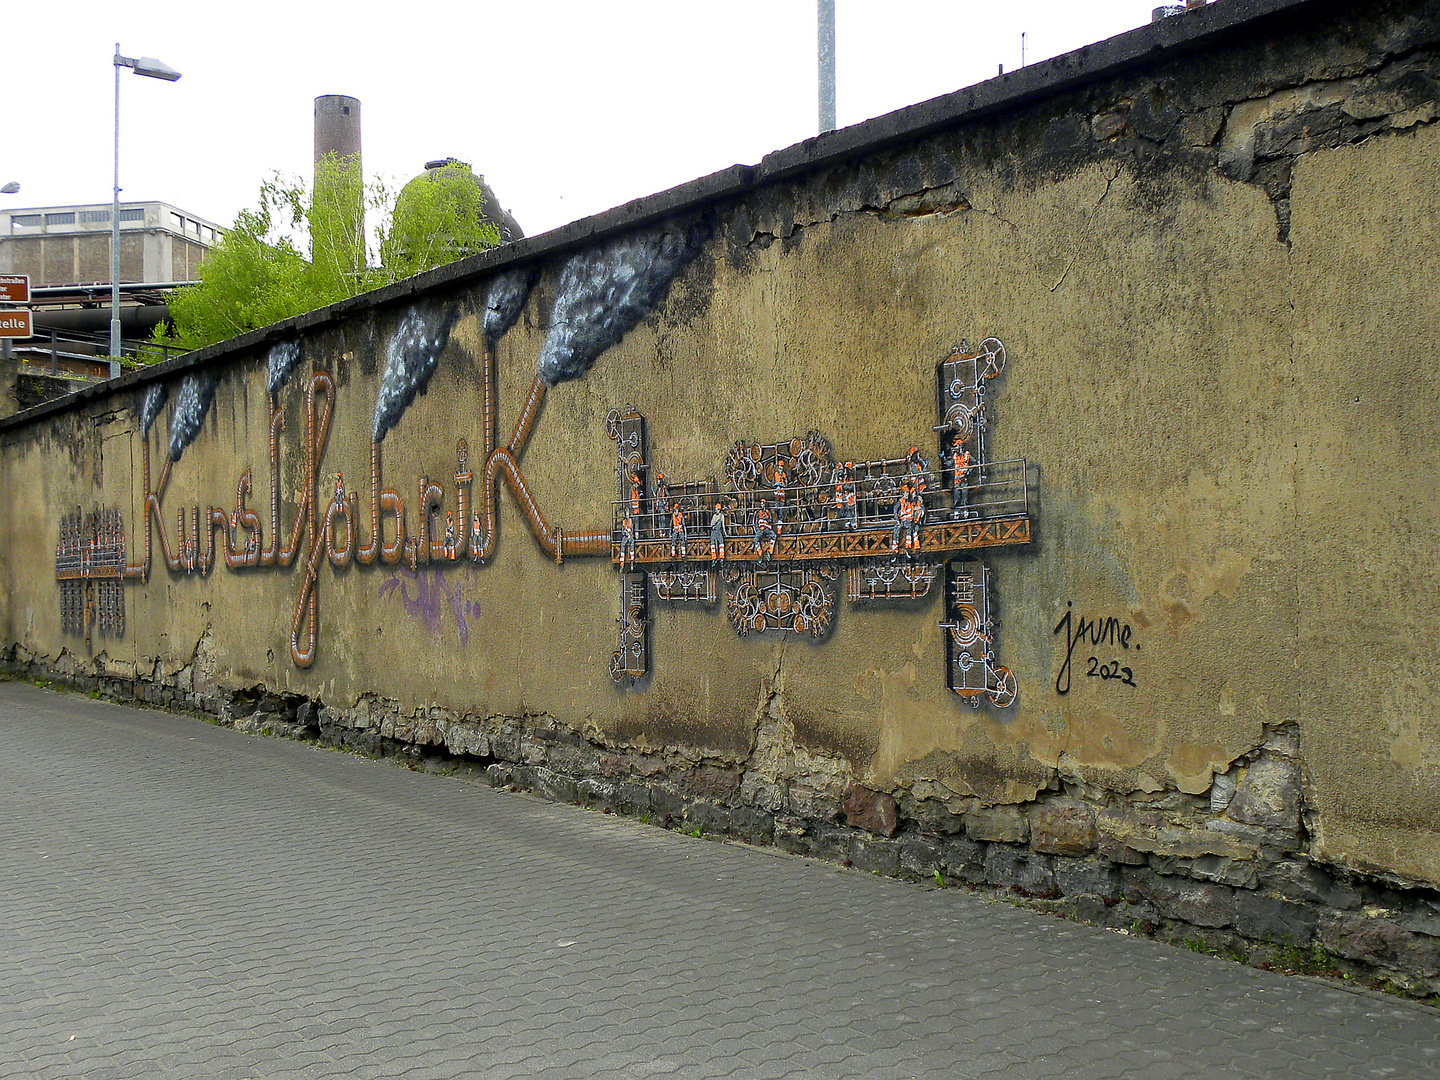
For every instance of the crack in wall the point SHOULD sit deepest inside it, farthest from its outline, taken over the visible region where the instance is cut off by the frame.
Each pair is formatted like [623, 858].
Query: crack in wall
[1263, 137]
[1163, 122]
[1085, 233]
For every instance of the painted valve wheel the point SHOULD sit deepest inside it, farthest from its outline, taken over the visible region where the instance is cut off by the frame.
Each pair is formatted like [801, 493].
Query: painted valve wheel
[1003, 692]
[966, 630]
[962, 418]
[994, 353]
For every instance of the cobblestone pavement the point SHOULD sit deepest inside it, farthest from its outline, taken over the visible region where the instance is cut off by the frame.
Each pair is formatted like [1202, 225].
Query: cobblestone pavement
[181, 900]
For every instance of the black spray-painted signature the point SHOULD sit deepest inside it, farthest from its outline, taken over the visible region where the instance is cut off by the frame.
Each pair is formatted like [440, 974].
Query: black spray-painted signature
[1101, 631]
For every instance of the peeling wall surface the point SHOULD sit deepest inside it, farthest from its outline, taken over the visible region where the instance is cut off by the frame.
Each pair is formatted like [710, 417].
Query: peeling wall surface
[1130, 356]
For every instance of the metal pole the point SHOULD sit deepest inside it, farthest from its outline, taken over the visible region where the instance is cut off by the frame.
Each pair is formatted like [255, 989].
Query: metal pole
[825, 41]
[115, 237]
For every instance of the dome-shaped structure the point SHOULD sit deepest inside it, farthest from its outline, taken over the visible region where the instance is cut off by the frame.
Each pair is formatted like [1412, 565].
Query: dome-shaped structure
[452, 170]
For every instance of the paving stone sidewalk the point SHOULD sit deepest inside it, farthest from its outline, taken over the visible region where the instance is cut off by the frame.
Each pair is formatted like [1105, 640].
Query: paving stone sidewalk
[181, 900]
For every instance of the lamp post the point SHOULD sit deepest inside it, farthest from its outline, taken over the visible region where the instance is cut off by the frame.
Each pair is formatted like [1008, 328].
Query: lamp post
[10, 189]
[825, 41]
[152, 69]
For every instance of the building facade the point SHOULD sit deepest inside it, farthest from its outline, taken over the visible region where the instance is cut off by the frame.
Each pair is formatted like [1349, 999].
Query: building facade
[70, 245]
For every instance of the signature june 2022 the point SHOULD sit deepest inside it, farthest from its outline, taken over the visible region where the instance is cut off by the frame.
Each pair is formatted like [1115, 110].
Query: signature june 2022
[1098, 632]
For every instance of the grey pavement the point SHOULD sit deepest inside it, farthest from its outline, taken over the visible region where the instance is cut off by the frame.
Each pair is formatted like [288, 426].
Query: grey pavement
[182, 900]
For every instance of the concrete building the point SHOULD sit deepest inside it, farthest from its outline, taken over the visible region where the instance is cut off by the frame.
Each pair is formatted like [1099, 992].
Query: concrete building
[70, 245]
[65, 251]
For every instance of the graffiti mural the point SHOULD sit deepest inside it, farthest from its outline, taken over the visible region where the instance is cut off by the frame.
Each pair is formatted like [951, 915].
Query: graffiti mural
[771, 536]
[90, 566]
[788, 518]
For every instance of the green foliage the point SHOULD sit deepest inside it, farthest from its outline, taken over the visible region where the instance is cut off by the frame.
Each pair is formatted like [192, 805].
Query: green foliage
[438, 218]
[258, 273]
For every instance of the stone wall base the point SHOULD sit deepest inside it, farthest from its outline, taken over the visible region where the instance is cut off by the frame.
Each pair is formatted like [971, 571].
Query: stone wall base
[1249, 892]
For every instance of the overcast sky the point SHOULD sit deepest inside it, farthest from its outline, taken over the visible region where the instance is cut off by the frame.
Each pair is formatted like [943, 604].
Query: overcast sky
[568, 107]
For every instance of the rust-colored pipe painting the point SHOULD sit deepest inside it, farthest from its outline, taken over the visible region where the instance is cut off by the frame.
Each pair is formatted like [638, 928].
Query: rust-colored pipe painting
[788, 522]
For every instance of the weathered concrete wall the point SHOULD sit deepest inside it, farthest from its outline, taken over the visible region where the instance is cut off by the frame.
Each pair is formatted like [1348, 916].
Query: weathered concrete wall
[1212, 268]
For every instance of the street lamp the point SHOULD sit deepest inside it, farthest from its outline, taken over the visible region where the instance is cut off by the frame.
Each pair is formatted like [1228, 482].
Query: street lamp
[10, 189]
[152, 69]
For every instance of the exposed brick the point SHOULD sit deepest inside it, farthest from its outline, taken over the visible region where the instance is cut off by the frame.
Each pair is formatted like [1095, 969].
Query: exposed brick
[962, 857]
[1270, 918]
[1198, 903]
[873, 811]
[1268, 795]
[880, 856]
[1002, 824]
[1062, 827]
[1303, 881]
[1374, 939]
[920, 859]
[1074, 877]
[1007, 865]
[753, 824]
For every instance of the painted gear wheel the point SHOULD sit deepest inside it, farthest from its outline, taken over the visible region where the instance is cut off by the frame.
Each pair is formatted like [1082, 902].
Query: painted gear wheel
[1002, 694]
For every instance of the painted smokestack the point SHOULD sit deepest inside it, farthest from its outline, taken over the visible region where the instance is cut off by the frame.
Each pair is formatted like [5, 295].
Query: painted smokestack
[338, 237]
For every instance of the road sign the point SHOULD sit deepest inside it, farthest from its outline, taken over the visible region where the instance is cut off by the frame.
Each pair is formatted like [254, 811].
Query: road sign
[14, 288]
[16, 324]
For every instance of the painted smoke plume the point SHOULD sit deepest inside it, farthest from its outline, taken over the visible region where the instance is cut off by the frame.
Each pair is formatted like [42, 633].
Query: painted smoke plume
[605, 291]
[414, 351]
[504, 302]
[282, 360]
[197, 390]
[155, 398]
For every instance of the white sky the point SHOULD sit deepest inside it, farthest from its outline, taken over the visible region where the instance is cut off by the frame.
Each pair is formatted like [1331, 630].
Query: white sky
[568, 107]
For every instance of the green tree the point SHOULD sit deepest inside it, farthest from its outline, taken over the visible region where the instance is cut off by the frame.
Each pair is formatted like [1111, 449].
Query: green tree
[257, 274]
[437, 218]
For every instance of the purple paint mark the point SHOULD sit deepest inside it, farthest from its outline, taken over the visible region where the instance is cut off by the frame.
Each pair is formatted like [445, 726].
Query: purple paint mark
[425, 594]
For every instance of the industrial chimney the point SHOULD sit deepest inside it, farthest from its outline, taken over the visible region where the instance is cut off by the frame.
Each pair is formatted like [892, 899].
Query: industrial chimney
[337, 218]
[337, 127]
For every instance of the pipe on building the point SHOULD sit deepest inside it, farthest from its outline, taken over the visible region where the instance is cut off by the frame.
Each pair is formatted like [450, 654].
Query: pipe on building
[95, 320]
[526, 422]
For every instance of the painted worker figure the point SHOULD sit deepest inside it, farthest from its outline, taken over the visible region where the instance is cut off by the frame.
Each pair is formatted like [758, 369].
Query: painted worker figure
[677, 533]
[634, 493]
[765, 533]
[844, 496]
[916, 522]
[475, 535]
[778, 486]
[661, 505]
[339, 486]
[960, 482]
[627, 540]
[717, 535]
[902, 515]
[450, 533]
[918, 467]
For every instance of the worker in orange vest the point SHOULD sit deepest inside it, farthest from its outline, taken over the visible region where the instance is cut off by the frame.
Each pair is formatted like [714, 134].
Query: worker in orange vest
[627, 540]
[677, 533]
[960, 482]
[765, 533]
[778, 486]
[916, 520]
[902, 515]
